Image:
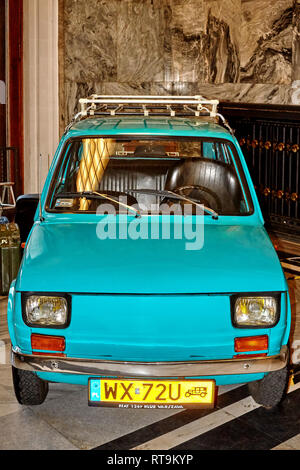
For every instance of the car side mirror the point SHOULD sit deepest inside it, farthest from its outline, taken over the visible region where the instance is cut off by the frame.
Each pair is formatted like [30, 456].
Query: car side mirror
[26, 206]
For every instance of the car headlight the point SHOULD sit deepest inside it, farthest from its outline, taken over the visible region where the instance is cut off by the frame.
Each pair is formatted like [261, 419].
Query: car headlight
[46, 311]
[255, 311]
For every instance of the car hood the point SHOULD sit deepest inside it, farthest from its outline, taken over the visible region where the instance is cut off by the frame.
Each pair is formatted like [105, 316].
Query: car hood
[69, 257]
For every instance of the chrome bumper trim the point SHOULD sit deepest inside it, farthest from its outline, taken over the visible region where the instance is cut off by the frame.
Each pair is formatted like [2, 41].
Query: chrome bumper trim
[149, 369]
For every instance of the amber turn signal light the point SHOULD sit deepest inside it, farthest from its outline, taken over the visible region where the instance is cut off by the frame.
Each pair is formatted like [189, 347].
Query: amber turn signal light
[48, 343]
[251, 343]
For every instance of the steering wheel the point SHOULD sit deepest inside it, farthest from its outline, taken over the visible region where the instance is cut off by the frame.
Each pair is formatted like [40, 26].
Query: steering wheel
[188, 192]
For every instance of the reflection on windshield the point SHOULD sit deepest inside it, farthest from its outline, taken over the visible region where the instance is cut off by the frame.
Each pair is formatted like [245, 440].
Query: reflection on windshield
[93, 163]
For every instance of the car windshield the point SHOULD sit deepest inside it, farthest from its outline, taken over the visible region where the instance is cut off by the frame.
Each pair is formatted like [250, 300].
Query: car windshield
[149, 176]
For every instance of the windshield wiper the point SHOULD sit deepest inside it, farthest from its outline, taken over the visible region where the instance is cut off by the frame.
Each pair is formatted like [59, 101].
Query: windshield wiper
[96, 195]
[172, 195]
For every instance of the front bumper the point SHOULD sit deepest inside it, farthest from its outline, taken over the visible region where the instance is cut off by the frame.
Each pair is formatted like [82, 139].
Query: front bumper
[150, 369]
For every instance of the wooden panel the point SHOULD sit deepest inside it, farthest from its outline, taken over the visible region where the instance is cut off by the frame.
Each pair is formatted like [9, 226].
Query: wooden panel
[15, 69]
[2, 78]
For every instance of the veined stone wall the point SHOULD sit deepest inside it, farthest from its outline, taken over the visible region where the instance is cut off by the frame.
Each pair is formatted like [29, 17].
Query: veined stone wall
[233, 50]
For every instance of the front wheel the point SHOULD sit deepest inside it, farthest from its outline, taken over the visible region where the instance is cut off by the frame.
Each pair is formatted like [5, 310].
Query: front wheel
[271, 390]
[29, 389]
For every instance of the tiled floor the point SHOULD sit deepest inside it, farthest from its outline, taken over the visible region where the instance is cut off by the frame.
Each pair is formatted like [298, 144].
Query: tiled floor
[65, 421]
[294, 287]
[4, 336]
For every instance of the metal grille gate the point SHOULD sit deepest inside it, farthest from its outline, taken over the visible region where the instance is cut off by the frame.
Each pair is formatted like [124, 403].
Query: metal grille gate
[270, 140]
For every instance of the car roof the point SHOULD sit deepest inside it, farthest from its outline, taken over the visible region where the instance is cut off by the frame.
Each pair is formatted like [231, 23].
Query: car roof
[197, 127]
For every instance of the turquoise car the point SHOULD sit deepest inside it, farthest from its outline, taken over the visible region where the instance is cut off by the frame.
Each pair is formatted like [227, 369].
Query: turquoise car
[148, 275]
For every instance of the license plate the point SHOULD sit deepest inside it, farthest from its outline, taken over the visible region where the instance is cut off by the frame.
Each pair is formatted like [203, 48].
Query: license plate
[152, 393]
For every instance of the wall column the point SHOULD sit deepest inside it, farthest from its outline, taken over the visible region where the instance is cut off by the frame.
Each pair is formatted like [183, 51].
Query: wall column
[41, 109]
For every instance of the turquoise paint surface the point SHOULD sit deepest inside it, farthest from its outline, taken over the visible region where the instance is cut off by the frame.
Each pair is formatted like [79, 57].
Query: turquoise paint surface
[69, 257]
[64, 254]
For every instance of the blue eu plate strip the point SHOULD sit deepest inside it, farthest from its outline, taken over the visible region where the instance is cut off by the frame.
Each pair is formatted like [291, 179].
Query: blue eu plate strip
[95, 390]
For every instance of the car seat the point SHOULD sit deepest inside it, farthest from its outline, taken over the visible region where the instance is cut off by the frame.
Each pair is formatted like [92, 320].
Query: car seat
[212, 182]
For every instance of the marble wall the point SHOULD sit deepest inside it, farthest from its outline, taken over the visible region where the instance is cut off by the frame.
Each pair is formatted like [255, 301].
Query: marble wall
[234, 50]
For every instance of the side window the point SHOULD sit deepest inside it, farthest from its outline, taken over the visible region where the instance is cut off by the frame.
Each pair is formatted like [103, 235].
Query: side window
[216, 151]
[208, 150]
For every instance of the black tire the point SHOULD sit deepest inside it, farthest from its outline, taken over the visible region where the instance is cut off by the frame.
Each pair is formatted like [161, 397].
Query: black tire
[271, 390]
[30, 390]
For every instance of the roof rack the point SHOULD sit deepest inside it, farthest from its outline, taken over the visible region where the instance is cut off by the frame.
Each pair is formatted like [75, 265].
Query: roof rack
[148, 105]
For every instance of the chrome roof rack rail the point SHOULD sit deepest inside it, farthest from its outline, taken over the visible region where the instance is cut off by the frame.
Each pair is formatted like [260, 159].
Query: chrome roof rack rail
[148, 105]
